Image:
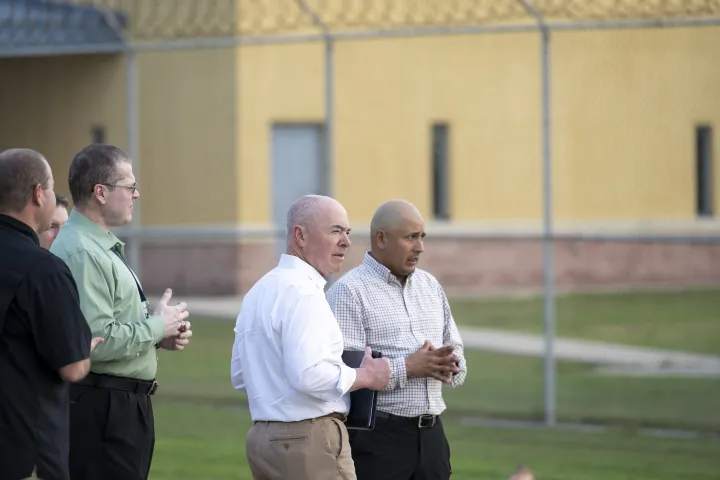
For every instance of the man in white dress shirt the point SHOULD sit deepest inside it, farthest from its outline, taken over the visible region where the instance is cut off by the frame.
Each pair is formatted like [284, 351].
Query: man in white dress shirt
[388, 304]
[287, 355]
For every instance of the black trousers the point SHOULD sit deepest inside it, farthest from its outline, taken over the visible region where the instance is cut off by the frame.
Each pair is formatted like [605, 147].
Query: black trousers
[112, 434]
[399, 450]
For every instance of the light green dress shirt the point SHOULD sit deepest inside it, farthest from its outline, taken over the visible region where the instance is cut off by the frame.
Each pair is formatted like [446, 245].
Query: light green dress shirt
[110, 300]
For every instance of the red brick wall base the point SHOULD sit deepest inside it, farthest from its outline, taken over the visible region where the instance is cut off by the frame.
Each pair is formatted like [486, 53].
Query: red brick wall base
[464, 266]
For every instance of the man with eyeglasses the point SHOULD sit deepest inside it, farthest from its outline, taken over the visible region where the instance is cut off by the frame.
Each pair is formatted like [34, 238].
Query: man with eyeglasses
[112, 433]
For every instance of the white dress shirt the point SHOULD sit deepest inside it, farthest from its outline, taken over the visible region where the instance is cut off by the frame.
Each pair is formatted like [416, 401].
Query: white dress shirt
[288, 347]
[373, 308]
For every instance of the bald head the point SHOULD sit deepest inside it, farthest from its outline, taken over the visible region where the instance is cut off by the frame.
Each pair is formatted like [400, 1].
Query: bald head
[21, 170]
[397, 231]
[393, 214]
[304, 211]
[317, 232]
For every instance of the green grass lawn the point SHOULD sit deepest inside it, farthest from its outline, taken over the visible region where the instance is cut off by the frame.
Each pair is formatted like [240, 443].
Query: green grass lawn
[203, 442]
[685, 320]
[201, 421]
[498, 385]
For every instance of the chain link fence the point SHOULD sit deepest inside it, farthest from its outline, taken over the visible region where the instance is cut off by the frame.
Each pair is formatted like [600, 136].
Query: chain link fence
[46, 23]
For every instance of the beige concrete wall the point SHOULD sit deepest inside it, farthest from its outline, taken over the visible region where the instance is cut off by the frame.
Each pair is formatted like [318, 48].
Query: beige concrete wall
[51, 104]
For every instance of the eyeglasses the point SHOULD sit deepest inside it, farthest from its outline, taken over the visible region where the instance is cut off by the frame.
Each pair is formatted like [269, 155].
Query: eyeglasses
[132, 188]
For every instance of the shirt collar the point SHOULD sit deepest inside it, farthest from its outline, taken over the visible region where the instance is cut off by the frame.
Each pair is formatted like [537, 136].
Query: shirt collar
[20, 227]
[382, 271]
[107, 240]
[295, 263]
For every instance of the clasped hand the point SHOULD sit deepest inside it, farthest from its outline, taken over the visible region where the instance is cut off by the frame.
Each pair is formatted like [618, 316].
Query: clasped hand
[431, 362]
[179, 341]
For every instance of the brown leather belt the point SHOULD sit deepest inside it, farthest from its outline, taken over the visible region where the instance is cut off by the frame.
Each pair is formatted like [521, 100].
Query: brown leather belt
[337, 415]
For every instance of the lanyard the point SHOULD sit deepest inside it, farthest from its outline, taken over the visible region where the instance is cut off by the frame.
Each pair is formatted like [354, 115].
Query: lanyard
[137, 284]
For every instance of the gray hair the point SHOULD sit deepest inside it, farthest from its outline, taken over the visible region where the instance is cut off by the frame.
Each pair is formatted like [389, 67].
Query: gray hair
[302, 212]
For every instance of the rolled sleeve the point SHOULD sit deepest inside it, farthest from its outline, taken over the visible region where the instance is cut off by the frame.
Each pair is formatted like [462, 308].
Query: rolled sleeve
[122, 340]
[157, 327]
[398, 374]
[347, 379]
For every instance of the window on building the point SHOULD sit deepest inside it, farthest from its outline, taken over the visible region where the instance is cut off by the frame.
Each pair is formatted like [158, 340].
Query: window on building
[441, 171]
[704, 170]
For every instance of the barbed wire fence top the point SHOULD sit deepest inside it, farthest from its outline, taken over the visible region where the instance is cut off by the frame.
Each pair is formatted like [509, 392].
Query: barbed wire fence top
[45, 22]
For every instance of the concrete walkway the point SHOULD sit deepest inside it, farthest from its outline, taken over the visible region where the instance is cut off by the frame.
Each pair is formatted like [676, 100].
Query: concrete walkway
[611, 359]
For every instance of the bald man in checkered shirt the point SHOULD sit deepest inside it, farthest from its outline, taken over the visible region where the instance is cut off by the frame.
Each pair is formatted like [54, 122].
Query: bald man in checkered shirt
[393, 307]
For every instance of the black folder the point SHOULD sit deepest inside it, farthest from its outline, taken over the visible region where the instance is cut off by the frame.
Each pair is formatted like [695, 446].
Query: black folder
[363, 402]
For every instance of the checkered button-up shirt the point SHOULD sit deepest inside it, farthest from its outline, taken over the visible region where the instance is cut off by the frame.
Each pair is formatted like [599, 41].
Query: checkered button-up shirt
[374, 309]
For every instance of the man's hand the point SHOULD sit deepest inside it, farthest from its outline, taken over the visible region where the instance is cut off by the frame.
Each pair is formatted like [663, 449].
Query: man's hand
[174, 315]
[374, 373]
[95, 342]
[428, 361]
[180, 341]
[449, 376]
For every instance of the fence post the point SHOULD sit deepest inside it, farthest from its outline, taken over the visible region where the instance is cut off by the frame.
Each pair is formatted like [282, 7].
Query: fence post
[329, 90]
[547, 194]
[134, 152]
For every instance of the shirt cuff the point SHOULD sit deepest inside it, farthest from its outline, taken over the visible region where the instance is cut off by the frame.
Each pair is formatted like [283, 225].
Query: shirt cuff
[398, 373]
[347, 379]
[157, 324]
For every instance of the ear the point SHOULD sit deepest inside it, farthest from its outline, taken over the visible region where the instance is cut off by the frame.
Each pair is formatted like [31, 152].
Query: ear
[99, 192]
[300, 236]
[37, 195]
[381, 239]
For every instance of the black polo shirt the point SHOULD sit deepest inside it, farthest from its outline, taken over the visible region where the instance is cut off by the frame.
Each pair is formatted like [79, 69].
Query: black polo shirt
[41, 330]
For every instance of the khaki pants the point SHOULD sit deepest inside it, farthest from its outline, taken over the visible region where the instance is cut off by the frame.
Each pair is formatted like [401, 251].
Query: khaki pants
[317, 449]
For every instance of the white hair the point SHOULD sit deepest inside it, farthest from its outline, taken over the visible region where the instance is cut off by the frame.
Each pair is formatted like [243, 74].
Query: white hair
[302, 212]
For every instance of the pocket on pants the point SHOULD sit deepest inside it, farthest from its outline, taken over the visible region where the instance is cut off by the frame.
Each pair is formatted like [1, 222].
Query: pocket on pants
[289, 438]
[335, 434]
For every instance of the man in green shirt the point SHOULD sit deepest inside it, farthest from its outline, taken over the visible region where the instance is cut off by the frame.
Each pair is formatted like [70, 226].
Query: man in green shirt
[112, 433]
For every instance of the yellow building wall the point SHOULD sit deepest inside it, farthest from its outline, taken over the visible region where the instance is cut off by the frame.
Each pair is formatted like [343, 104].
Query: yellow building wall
[625, 109]
[388, 93]
[276, 84]
[51, 105]
[391, 92]
[624, 105]
[188, 129]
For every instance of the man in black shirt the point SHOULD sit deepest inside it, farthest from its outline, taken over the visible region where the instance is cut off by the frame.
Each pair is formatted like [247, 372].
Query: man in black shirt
[44, 338]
